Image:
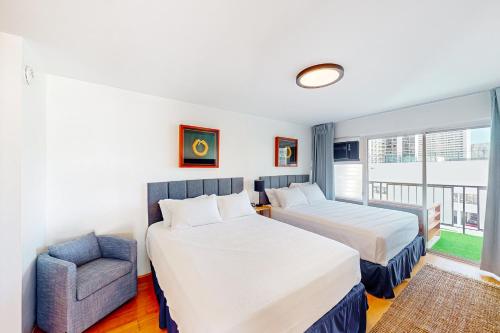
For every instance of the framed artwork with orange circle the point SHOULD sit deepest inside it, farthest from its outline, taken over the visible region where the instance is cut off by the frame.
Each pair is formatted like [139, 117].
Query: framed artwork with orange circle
[286, 152]
[198, 147]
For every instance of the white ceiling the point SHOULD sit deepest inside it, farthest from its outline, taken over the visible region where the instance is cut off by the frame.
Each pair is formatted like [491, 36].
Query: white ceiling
[243, 55]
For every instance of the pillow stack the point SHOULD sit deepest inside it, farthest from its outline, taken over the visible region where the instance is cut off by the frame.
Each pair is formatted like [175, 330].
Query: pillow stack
[235, 205]
[271, 196]
[203, 210]
[181, 214]
[312, 192]
[295, 195]
[290, 197]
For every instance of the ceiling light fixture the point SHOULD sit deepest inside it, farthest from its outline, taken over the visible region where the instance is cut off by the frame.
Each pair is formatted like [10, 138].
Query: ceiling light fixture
[319, 76]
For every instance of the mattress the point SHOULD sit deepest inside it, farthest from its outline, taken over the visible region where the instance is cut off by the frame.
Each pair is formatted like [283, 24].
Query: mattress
[250, 274]
[378, 234]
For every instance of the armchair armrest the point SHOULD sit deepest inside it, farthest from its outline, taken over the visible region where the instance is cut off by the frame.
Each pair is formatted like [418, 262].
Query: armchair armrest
[56, 291]
[118, 248]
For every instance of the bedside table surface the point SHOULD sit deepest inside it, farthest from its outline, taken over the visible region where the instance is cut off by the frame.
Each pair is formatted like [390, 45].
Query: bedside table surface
[263, 207]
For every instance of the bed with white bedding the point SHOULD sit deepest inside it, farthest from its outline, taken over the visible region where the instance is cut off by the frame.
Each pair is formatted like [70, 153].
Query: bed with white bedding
[378, 234]
[387, 240]
[251, 274]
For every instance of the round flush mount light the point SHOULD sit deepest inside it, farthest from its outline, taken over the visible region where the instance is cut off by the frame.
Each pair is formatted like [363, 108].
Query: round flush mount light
[319, 76]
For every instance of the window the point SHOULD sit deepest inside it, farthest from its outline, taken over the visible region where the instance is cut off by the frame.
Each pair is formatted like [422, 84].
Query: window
[349, 181]
[395, 169]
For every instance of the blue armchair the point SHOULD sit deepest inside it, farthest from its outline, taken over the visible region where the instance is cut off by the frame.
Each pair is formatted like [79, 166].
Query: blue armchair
[81, 281]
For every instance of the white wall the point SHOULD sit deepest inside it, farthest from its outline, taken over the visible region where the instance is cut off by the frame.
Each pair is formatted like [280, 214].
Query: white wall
[456, 112]
[33, 181]
[22, 179]
[10, 179]
[105, 144]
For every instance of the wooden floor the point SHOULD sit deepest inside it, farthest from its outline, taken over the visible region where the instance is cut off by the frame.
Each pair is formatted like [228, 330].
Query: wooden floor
[137, 315]
[141, 313]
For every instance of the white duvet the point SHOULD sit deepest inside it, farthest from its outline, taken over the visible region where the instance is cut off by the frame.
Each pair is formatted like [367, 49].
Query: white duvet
[378, 234]
[250, 274]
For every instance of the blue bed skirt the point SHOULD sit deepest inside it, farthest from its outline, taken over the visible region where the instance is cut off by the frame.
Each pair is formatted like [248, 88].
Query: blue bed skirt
[380, 280]
[164, 316]
[348, 316]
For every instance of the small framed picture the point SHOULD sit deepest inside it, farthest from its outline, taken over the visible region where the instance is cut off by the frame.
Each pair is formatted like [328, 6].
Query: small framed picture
[198, 147]
[286, 152]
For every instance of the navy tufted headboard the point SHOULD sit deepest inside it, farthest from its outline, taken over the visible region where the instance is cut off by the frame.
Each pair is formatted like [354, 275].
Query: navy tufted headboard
[183, 189]
[280, 181]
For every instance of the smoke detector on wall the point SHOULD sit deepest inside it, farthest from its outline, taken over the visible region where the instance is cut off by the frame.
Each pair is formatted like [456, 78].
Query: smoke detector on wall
[29, 74]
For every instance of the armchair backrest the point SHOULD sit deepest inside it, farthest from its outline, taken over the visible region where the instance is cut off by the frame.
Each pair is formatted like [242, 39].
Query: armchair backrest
[78, 251]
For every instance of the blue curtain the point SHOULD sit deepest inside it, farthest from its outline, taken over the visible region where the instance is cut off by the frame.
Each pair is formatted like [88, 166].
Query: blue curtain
[322, 151]
[490, 260]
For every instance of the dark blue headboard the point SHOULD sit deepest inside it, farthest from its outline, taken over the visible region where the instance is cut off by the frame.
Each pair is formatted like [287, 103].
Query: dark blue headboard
[183, 189]
[280, 181]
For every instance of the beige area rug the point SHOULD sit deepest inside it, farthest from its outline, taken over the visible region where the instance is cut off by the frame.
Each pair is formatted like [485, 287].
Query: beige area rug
[440, 301]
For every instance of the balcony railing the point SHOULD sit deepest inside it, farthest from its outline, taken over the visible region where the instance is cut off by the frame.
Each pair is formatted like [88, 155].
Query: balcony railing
[462, 206]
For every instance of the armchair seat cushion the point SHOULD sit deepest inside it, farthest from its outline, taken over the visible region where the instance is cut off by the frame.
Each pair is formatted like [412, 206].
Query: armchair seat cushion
[99, 273]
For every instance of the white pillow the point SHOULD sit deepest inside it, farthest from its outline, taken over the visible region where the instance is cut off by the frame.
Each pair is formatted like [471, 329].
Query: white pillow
[289, 197]
[313, 193]
[193, 212]
[271, 196]
[235, 205]
[292, 185]
[167, 218]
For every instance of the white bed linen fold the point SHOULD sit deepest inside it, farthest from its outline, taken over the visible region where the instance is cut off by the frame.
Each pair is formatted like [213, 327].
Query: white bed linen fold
[250, 274]
[378, 234]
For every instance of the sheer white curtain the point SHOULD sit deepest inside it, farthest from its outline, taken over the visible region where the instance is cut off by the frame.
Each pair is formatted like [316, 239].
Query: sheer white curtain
[490, 260]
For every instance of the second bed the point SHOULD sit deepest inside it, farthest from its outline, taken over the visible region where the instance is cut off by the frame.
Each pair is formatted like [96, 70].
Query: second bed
[387, 240]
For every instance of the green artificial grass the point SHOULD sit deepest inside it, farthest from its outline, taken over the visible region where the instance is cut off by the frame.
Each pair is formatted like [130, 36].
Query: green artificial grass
[459, 245]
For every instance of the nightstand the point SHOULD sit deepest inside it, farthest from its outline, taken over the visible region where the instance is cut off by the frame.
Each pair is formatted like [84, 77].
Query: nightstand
[264, 208]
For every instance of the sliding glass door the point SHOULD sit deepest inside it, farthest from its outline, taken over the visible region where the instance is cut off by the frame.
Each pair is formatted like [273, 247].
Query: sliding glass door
[457, 179]
[446, 187]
